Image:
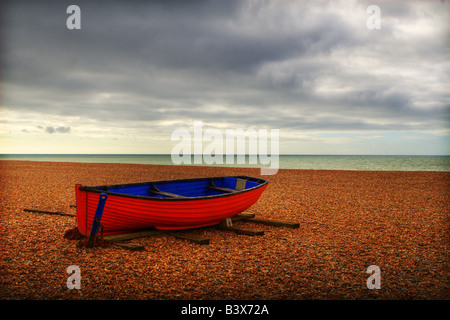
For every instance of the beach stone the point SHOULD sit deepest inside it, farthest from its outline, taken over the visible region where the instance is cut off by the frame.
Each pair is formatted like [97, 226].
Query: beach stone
[348, 220]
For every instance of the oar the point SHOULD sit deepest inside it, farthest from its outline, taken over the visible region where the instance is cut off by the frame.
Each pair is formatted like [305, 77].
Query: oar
[97, 218]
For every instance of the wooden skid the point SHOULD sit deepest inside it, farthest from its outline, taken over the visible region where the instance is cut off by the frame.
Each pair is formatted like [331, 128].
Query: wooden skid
[192, 239]
[275, 223]
[49, 212]
[248, 232]
[129, 246]
[243, 216]
[152, 232]
[134, 235]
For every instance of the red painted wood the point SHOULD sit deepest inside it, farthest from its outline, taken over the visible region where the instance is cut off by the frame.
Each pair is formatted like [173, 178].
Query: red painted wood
[125, 214]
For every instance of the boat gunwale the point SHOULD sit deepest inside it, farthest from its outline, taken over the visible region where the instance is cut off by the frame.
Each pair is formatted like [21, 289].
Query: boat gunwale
[94, 189]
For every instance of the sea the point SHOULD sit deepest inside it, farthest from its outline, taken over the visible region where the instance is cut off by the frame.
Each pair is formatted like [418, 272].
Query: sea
[313, 162]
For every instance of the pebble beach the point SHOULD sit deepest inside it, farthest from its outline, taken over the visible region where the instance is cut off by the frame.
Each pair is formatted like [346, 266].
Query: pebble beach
[349, 220]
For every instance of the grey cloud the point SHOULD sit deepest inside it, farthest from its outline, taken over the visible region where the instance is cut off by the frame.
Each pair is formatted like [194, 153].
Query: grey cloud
[49, 129]
[247, 63]
[60, 129]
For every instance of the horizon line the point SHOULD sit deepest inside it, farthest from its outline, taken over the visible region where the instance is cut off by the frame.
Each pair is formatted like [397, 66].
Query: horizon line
[168, 154]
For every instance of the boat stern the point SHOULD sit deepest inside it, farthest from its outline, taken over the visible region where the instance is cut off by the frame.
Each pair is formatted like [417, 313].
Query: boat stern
[81, 217]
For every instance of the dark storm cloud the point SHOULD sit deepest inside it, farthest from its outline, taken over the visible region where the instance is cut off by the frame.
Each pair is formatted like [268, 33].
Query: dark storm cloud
[293, 64]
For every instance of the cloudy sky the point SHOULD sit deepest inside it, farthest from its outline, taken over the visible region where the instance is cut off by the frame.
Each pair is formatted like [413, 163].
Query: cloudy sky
[138, 70]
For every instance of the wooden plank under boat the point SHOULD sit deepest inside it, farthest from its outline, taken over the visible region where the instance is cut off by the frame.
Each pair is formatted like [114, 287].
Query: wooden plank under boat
[167, 205]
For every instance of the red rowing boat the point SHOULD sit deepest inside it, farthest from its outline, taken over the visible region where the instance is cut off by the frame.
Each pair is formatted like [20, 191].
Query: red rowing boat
[167, 205]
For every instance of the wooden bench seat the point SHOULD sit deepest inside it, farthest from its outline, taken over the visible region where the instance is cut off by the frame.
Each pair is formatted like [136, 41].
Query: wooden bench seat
[164, 193]
[222, 189]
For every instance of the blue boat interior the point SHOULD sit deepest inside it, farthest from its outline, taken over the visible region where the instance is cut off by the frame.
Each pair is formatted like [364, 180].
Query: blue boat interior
[184, 188]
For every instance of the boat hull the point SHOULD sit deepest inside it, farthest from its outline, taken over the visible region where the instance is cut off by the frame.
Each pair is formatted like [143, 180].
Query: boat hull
[126, 213]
